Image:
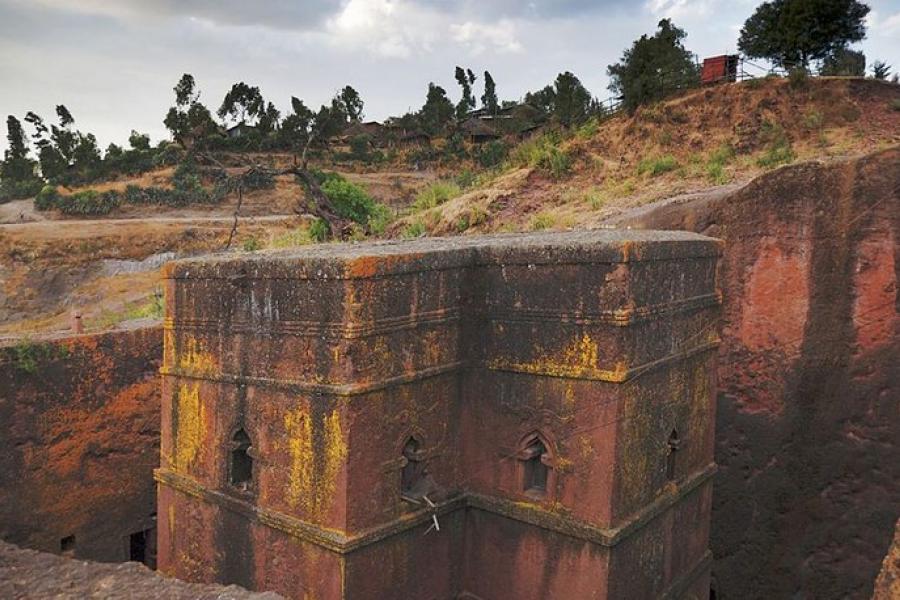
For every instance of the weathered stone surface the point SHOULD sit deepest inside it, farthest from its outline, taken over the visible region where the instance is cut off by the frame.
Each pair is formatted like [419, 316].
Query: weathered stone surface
[887, 586]
[587, 357]
[26, 574]
[79, 439]
[808, 487]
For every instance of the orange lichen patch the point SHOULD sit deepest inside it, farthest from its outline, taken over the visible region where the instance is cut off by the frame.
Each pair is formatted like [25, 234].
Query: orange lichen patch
[365, 266]
[777, 299]
[875, 280]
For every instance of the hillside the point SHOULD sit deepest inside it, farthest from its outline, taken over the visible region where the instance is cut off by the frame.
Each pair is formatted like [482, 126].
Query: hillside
[708, 141]
[713, 137]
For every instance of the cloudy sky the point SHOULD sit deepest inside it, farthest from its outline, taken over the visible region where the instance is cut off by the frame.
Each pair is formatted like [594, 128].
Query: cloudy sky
[113, 62]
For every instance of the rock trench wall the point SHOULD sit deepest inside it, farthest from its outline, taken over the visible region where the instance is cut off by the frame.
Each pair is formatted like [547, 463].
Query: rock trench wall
[79, 439]
[808, 488]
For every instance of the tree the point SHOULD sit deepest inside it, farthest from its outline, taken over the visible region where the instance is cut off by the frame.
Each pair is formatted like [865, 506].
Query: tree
[17, 170]
[572, 102]
[881, 70]
[352, 102]
[437, 110]
[65, 117]
[188, 120]
[465, 79]
[242, 102]
[186, 91]
[791, 33]
[268, 121]
[844, 61]
[544, 99]
[489, 99]
[139, 141]
[653, 67]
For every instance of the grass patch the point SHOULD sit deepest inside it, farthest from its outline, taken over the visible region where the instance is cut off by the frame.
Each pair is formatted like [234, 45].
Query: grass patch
[715, 165]
[251, 244]
[542, 220]
[475, 216]
[655, 166]
[588, 130]
[813, 120]
[414, 230]
[543, 152]
[895, 104]
[436, 194]
[778, 150]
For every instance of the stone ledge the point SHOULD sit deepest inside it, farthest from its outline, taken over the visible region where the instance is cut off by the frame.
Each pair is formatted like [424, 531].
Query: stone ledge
[341, 543]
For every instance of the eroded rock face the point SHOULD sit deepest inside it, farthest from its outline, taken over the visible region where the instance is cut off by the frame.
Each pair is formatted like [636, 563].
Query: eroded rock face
[26, 574]
[807, 430]
[887, 586]
[79, 439]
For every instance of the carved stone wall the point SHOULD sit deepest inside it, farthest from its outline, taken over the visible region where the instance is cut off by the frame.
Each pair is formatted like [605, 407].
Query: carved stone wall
[521, 416]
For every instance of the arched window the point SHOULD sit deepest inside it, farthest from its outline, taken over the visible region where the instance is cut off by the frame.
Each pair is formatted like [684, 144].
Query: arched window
[536, 471]
[241, 461]
[413, 475]
[672, 452]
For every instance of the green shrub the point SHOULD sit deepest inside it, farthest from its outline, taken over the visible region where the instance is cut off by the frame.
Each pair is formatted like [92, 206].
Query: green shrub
[46, 198]
[466, 179]
[349, 200]
[436, 194]
[89, 203]
[895, 104]
[491, 154]
[379, 219]
[319, 230]
[657, 165]
[360, 146]
[16, 190]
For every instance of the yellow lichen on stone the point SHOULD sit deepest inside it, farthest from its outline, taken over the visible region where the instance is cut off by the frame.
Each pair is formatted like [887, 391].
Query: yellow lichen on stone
[189, 432]
[299, 441]
[194, 359]
[313, 470]
[583, 353]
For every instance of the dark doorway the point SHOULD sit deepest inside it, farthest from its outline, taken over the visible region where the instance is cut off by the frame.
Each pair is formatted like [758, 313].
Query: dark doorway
[67, 545]
[142, 547]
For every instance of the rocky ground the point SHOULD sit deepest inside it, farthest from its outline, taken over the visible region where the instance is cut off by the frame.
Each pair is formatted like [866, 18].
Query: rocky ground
[29, 574]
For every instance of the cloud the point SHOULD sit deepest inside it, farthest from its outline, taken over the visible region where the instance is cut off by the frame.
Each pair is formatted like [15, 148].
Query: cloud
[479, 37]
[276, 14]
[680, 9]
[389, 28]
[887, 26]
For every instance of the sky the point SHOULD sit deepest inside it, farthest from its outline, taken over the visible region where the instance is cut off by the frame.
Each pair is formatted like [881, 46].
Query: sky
[113, 63]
